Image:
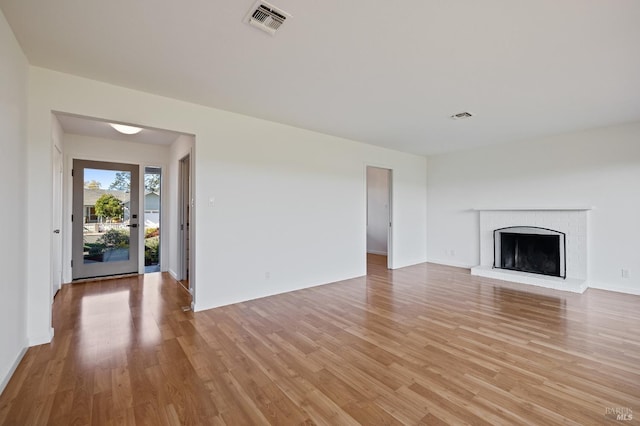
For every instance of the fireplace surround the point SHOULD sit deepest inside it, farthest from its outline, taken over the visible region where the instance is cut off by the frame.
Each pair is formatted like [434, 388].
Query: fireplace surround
[568, 224]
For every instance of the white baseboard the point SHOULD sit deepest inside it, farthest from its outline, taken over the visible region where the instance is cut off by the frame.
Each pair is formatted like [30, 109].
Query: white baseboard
[199, 306]
[14, 366]
[381, 253]
[617, 289]
[407, 263]
[173, 274]
[450, 263]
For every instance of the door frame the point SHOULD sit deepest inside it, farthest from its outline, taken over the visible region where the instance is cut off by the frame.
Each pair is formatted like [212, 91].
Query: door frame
[390, 258]
[106, 269]
[185, 213]
[163, 258]
[57, 188]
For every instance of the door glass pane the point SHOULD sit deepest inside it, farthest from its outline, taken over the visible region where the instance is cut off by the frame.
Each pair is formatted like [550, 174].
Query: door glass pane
[106, 228]
[152, 219]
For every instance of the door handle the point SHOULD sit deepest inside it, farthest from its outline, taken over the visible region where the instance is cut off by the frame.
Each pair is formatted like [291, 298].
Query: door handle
[56, 231]
[133, 225]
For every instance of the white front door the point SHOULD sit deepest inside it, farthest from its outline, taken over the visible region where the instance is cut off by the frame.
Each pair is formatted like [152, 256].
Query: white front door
[105, 219]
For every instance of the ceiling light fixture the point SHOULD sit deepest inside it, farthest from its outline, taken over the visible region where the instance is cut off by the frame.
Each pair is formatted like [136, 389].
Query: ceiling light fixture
[127, 130]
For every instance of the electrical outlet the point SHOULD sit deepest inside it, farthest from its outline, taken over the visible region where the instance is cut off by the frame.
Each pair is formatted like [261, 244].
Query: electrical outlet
[625, 273]
[267, 275]
[452, 253]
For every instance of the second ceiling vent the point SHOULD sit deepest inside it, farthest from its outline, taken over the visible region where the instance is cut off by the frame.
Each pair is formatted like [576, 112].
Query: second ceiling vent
[266, 17]
[462, 115]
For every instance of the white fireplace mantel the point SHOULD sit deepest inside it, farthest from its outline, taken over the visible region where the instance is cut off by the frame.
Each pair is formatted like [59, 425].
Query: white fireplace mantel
[572, 221]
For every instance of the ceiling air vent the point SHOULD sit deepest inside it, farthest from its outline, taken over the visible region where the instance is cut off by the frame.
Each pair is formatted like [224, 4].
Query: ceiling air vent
[462, 115]
[266, 17]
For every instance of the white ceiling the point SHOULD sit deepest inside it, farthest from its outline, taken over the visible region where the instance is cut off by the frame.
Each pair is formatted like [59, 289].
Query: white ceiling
[388, 74]
[86, 126]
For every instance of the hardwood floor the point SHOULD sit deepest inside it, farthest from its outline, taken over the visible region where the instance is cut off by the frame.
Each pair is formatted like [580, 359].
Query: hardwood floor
[376, 264]
[426, 344]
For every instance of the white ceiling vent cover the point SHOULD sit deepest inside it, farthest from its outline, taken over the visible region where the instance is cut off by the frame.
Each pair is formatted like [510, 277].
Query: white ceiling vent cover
[266, 17]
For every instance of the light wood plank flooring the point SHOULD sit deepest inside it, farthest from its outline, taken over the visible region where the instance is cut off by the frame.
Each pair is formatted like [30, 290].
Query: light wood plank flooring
[421, 345]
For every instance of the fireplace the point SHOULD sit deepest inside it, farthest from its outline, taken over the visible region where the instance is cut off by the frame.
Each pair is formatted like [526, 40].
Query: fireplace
[530, 249]
[570, 227]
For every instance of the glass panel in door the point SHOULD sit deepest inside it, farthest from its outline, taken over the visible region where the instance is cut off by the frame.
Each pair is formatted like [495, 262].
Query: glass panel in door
[152, 213]
[105, 219]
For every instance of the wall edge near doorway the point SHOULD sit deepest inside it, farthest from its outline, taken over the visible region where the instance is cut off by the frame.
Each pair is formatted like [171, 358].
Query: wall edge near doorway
[12, 369]
[41, 339]
[173, 274]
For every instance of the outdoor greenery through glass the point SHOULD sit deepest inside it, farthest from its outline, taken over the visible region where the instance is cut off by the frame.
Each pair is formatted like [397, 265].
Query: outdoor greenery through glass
[106, 215]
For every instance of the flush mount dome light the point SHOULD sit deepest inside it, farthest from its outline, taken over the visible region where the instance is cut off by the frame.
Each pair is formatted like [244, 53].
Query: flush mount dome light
[127, 130]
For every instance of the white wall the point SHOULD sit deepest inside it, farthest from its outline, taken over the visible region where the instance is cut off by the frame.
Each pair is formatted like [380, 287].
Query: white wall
[13, 187]
[377, 210]
[599, 168]
[92, 148]
[288, 201]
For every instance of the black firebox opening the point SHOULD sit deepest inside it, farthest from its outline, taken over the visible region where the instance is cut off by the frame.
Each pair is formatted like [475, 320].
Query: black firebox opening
[539, 254]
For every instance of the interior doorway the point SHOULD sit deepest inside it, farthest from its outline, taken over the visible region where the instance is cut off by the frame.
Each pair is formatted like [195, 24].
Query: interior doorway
[379, 219]
[185, 220]
[152, 215]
